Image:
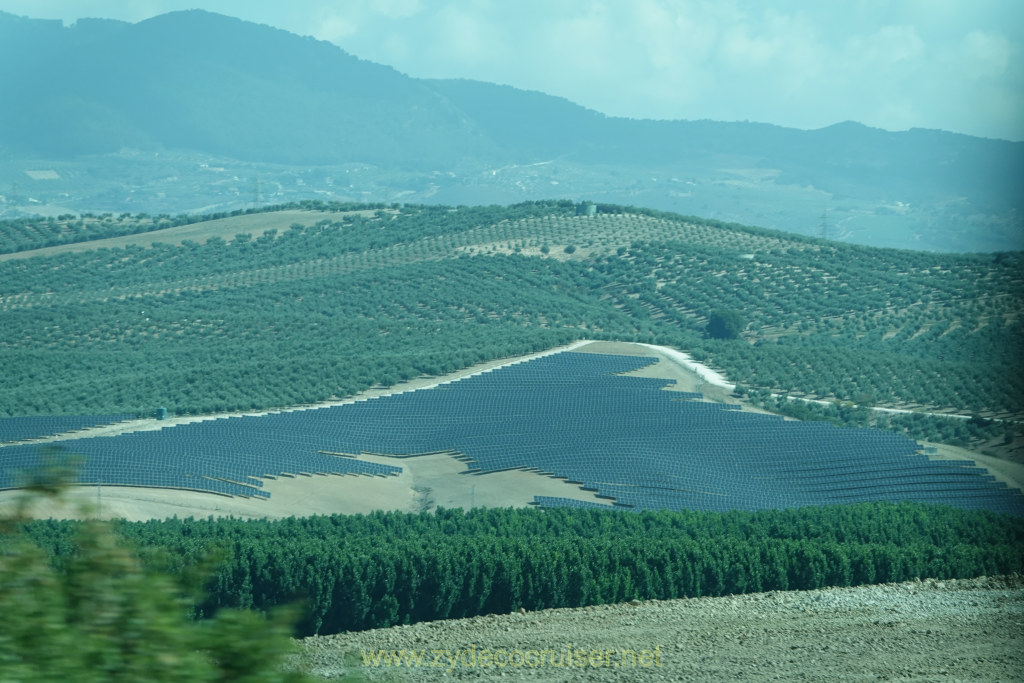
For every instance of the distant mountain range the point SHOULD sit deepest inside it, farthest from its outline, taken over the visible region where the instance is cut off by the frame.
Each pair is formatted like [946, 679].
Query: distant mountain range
[196, 84]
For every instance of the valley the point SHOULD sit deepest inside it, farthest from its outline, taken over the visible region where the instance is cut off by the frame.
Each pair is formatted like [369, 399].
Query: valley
[296, 344]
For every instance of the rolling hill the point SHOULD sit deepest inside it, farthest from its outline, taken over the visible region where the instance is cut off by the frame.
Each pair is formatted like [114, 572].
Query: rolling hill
[112, 116]
[354, 297]
[205, 82]
[319, 301]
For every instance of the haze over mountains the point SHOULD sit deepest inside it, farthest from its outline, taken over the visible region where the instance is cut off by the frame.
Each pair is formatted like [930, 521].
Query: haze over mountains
[193, 111]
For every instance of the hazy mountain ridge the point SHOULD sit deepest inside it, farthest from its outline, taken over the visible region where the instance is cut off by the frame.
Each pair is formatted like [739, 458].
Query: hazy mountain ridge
[202, 81]
[195, 83]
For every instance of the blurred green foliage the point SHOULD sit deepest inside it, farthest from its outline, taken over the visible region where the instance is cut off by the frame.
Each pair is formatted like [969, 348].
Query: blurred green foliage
[101, 615]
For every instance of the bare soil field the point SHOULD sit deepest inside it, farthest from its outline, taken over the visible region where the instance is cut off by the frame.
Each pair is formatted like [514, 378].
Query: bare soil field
[426, 482]
[1010, 473]
[225, 228]
[956, 630]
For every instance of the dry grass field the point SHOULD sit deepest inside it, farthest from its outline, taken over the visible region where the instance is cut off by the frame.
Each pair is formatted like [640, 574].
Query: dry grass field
[225, 228]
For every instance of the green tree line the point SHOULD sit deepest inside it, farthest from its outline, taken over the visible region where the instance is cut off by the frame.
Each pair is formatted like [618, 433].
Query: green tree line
[369, 571]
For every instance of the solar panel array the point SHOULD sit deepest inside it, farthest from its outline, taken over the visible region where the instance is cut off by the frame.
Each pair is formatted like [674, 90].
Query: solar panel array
[558, 502]
[570, 415]
[228, 455]
[14, 429]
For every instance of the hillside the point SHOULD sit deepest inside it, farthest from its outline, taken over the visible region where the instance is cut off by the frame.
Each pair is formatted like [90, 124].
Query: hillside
[241, 90]
[920, 630]
[845, 160]
[124, 314]
[111, 116]
[346, 300]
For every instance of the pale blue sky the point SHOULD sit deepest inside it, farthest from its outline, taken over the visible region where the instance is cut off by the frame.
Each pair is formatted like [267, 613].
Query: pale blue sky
[950, 64]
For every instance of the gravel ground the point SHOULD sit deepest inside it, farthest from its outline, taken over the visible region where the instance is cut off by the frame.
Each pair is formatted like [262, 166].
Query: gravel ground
[957, 630]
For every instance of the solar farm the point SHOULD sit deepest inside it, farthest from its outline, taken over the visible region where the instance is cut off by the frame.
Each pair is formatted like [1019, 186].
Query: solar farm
[578, 417]
[36, 426]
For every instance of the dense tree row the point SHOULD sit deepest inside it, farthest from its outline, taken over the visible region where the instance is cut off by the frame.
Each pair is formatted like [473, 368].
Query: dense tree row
[357, 572]
[310, 340]
[23, 234]
[875, 377]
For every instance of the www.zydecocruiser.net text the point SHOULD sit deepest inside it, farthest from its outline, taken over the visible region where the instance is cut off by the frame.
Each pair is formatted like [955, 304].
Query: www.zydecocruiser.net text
[474, 657]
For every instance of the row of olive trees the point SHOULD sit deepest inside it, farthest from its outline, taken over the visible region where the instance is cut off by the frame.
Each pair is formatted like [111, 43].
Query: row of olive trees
[306, 314]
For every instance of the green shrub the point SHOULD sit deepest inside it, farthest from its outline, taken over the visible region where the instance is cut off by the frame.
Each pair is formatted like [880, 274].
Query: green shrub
[100, 615]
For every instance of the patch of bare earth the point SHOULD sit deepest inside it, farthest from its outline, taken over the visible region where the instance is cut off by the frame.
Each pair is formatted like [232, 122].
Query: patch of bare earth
[956, 630]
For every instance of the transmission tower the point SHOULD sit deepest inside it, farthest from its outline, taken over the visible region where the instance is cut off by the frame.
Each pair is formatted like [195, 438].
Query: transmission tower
[14, 198]
[257, 199]
[824, 224]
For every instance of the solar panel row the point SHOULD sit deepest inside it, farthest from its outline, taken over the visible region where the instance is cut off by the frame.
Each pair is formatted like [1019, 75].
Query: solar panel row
[573, 415]
[554, 501]
[14, 429]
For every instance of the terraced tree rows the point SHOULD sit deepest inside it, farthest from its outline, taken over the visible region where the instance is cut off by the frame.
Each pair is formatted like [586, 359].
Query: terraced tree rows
[326, 309]
[879, 327]
[35, 233]
[25, 234]
[293, 342]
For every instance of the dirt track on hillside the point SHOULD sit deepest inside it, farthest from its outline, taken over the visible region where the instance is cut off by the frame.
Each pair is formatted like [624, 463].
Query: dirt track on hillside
[969, 630]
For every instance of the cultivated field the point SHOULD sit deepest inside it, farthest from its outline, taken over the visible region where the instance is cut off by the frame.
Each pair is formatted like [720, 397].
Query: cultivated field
[954, 630]
[225, 228]
[826, 321]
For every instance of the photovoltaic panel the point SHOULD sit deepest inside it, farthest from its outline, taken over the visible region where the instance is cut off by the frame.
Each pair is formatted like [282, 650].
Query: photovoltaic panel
[13, 429]
[574, 415]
